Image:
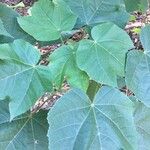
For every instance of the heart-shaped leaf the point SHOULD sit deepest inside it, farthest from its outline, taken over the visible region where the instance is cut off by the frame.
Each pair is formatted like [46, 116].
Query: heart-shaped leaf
[91, 12]
[106, 123]
[48, 19]
[63, 64]
[26, 132]
[20, 78]
[103, 58]
[138, 69]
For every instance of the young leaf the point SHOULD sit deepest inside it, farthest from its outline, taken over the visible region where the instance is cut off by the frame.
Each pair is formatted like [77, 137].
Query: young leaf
[138, 69]
[91, 12]
[20, 78]
[142, 120]
[25, 132]
[107, 123]
[48, 20]
[63, 64]
[103, 58]
[9, 19]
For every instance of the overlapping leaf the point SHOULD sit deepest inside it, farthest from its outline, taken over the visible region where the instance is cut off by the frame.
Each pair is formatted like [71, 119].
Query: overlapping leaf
[26, 132]
[92, 12]
[107, 123]
[48, 20]
[9, 19]
[103, 58]
[63, 64]
[142, 120]
[138, 69]
[20, 78]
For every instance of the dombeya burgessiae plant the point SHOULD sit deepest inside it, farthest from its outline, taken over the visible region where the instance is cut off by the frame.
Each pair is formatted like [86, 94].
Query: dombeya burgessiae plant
[94, 114]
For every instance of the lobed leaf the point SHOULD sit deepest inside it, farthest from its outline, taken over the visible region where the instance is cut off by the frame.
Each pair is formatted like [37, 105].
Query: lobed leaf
[106, 123]
[48, 20]
[103, 58]
[20, 78]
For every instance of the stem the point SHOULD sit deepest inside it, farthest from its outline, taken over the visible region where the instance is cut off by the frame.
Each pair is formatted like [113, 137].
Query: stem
[92, 89]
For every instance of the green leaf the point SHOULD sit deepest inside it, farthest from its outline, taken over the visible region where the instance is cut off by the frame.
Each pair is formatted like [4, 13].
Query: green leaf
[20, 78]
[27, 132]
[75, 123]
[133, 5]
[103, 58]
[48, 19]
[138, 75]
[3, 31]
[142, 120]
[91, 12]
[144, 37]
[138, 69]
[9, 19]
[63, 64]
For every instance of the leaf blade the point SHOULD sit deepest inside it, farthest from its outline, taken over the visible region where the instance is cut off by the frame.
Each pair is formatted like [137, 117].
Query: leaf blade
[24, 130]
[82, 125]
[91, 53]
[63, 66]
[20, 78]
[94, 12]
[55, 16]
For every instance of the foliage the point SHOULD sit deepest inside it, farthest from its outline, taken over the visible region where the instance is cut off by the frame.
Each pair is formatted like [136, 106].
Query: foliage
[94, 114]
[63, 64]
[105, 121]
[142, 118]
[8, 17]
[141, 5]
[18, 69]
[138, 69]
[93, 12]
[22, 130]
[92, 54]
[55, 16]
